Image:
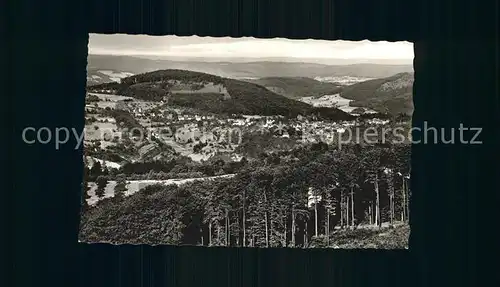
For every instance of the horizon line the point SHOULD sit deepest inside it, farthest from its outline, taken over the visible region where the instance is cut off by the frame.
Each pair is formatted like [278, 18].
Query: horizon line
[262, 59]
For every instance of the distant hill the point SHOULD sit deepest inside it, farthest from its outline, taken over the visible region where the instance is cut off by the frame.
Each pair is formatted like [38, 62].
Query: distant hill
[392, 94]
[213, 94]
[241, 70]
[297, 87]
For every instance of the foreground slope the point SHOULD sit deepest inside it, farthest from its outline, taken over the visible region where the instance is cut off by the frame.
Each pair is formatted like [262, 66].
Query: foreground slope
[213, 94]
[392, 95]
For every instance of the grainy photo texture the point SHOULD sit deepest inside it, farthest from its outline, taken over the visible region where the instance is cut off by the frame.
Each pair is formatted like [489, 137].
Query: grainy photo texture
[247, 142]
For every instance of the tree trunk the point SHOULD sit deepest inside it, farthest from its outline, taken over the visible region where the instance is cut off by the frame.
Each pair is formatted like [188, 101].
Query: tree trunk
[293, 227]
[373, 212]
[393, 213]
[227, 228]
[327, 227]
[244, 219]
[285, 233]
[390, 188]
[370, 212]
[403, 207]
[377, 204]
[341, 209]
[391, 198]
[347, 219]
[267, 229]
[210, 233]
[238, 236]
[315, 216]
[266, 220]
[352, 206]
[408, 193]
[218, 233]
[305, 234]
[202, 242]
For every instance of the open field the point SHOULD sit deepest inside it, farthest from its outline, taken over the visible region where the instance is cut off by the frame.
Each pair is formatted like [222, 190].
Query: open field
[343, 80]
[115, 76]
[113, 98]
[333, 101]
[134, 186]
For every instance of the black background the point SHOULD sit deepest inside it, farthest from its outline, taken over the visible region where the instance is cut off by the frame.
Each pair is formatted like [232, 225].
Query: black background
[456, 76]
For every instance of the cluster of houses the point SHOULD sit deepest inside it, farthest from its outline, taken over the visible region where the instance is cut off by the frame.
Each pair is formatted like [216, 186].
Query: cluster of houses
[190, 129]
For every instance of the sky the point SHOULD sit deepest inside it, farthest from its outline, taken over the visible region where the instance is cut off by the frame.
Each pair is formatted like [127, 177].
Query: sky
[246, 47]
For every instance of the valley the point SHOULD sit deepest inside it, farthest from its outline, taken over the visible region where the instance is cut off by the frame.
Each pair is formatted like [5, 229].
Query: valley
[235, 152]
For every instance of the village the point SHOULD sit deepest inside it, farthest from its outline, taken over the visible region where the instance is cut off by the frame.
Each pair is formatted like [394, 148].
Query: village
[190, 133]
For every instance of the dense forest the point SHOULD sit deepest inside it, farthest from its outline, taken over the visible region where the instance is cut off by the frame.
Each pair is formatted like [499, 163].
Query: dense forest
[293, 198]
[392, 95]
[298, 87]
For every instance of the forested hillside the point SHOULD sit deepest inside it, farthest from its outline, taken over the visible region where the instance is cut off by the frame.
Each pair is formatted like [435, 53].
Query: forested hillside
[298, 87]
[313, 196]
[387, 95]
[233, 96]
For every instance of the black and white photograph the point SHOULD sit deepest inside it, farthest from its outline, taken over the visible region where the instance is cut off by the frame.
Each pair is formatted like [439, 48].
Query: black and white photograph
[247, 142]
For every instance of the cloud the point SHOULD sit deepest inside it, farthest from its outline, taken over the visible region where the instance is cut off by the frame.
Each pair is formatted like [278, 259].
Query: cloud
[195, 46]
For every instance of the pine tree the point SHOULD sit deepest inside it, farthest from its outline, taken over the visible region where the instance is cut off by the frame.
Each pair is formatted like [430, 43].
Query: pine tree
[102, 181]
[95, 170]
[402, 155]
[371, 162]
[330, 207]
[120, 188]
